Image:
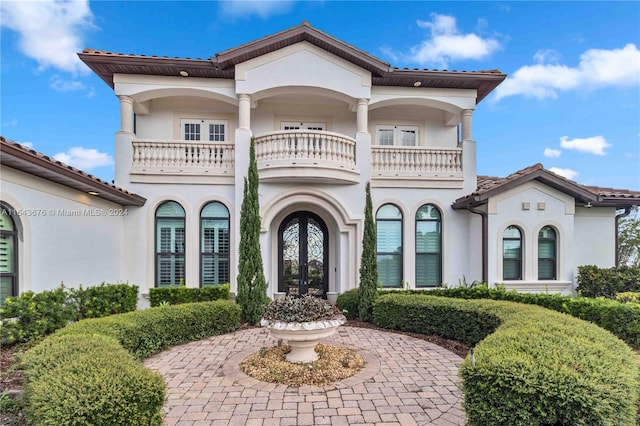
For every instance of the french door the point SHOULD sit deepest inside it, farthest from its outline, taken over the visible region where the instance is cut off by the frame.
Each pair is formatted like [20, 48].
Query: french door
[302, 255]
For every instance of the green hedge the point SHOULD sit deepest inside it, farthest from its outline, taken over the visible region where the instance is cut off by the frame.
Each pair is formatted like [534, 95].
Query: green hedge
[607, 282]
[348, 303]
[628, 297]
[105, 299]
[532, 366]
[31, 316]
[148, 331]
[622, 319]
[89, 380]
[178, 295]
[89, 372]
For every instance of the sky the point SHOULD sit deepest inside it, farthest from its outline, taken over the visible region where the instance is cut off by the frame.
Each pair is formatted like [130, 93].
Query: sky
[571, 100]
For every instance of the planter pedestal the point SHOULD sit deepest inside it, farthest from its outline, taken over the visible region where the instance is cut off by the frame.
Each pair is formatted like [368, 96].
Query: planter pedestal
[303, 337]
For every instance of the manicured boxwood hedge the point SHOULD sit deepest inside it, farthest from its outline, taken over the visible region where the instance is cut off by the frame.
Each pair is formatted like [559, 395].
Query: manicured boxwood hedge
[348, 303]
[622, 319]
[89, 380]
[532, 366]
[85, 373]
[178, 295]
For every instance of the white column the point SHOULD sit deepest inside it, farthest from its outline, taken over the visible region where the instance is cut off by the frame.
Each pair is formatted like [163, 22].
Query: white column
[362, 114]
[466, 124]
[126, 114]
[244, 111]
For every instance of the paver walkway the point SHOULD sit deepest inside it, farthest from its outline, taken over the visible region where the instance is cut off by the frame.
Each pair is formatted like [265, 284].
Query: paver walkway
[406, 381]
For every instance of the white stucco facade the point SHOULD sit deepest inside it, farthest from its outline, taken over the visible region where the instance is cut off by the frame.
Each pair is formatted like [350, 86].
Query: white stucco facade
[326, 120]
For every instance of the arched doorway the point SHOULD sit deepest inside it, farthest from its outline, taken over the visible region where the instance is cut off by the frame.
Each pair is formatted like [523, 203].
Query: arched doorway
[303, 266]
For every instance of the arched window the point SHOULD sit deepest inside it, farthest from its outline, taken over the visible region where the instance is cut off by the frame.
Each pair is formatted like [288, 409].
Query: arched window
[428, 246]
[170, 243]
[547, 249]
[214, 244]
[512, 253]
[389, 245]
[8, 255]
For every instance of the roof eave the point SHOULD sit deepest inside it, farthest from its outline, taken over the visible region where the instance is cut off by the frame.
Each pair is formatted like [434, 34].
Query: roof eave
[19, 159]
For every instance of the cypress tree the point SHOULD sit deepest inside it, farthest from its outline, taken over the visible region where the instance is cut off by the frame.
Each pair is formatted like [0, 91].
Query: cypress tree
[368, 264]
[252, 285]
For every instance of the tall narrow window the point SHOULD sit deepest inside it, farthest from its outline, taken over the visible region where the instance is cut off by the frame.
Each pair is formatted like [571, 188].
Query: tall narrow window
[8, 256]
[389, 245]
[547, 248]
[214, 244]
[512, 253]
[170, 243]
[428, 246]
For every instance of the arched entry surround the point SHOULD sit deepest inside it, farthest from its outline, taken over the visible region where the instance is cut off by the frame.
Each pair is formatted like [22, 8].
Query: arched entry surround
[344, 231]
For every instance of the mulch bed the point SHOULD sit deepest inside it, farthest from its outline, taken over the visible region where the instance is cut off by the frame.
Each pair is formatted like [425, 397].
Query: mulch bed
[334, 364]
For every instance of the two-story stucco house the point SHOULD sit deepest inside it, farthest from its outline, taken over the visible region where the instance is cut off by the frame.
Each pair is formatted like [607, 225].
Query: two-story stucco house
[326, 119]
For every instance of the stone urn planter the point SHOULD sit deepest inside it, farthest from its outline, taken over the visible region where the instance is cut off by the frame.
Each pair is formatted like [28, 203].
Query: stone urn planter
[302, 323]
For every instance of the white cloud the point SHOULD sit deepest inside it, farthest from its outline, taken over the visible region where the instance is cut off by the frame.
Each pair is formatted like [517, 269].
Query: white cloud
[597, 68]
[568, 173]
[60, 85]
[447, 43]
[50, 31]
[546, 55]
[592, 145]
[262, 8]
[84, 158]
[552, 153]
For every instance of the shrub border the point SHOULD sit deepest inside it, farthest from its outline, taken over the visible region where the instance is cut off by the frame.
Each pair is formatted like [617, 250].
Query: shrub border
[138, 335]
[531, 366]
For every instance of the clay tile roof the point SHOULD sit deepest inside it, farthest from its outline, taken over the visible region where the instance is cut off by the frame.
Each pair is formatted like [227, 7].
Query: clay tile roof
[19, 157]
[222, 64]
[489, 186]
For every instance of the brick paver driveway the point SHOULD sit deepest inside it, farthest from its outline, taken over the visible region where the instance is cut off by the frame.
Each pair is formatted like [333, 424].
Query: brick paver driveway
[406, 381]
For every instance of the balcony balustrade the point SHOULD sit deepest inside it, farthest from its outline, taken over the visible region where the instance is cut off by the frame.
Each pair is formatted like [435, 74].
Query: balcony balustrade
[296, 155]
[306, 155]
[183, 156]
[416, 166]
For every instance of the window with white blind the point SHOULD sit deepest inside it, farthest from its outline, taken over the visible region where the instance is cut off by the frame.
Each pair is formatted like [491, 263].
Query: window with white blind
[8, 255]
[512, 253]
[214, 244]
[388, 134]
[170, 245]
[428, 246]
[304, 125]
[203, 130]
[389, 245]
[547, 249]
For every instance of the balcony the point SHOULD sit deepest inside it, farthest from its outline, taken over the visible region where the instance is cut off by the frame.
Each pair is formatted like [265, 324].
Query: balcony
[306, 155]
[184, 161]
[415, 164]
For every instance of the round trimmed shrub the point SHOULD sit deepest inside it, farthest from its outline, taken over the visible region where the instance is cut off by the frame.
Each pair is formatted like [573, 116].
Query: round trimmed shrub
[348, 301]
